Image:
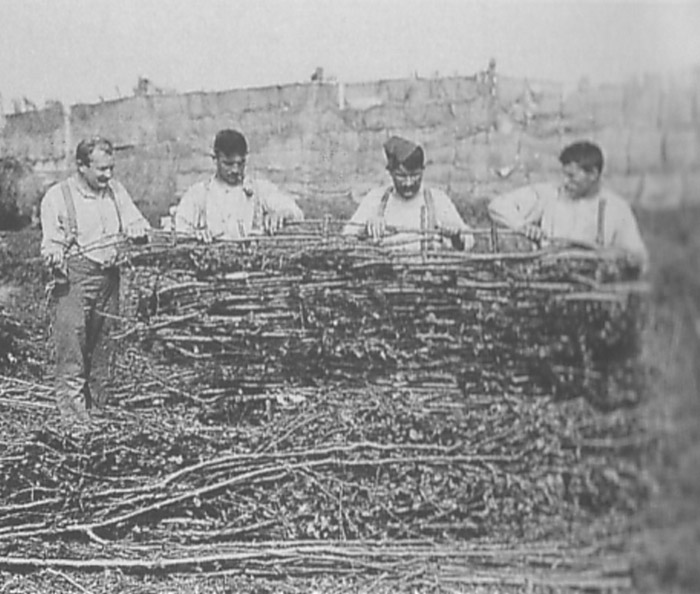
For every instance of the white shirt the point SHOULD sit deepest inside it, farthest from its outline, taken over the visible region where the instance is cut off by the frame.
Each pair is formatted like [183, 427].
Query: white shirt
[575, 219]
[405, 213]
[100, 218]
[232, 212]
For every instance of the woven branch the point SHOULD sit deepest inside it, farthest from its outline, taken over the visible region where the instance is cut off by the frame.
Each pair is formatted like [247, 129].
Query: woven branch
[298, 309]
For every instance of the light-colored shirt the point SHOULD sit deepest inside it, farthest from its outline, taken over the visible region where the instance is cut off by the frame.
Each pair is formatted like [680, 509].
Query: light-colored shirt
[231, 212]
[573, 219]
[405, 215]
[100, 216]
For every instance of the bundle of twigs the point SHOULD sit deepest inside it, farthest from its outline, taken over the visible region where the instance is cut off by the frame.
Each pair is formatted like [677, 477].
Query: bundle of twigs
[375, 481]
[412, 564]
[307, 308]
[339, 464]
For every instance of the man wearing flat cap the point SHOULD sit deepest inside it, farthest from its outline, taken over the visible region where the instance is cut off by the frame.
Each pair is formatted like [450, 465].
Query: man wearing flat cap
[398, 216]
[231, 204]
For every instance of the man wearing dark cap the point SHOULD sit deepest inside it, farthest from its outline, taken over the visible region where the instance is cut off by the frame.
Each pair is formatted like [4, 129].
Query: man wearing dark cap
[407, 208]
[231, 204]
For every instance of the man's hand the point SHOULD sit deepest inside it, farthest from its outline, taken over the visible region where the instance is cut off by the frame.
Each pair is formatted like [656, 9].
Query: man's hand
[138, 230]
[376, 228]
[272, 223]
[533, 232]
[449, 230]
[459, 236]
[635, 264]
[464, 241]
[203, 235]
[55, 257]
[469, 241]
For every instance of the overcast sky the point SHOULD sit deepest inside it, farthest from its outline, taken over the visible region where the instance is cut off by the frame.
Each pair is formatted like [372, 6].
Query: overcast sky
[82, 50]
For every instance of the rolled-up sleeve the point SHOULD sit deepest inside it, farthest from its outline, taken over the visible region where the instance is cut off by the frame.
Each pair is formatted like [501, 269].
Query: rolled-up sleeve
[54, 221]
[131, 216]
[446, 214]
[367, 209]
[626, 235]
[518, 208]
[187, 214]
[278, 202]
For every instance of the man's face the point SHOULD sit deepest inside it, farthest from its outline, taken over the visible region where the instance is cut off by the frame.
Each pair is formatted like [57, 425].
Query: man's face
[578, 182]
[407, 183]
[230, 168]
[99, 172]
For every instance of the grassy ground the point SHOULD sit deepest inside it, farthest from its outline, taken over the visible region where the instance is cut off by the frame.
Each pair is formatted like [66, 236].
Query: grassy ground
[669, 550]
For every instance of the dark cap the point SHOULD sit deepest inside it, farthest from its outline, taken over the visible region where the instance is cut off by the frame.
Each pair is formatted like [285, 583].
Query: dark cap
[400, 151]
[230, 142]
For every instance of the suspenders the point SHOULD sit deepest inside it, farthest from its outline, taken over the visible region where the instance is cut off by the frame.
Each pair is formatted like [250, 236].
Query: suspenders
[73, 217]
[600, 222]
[431, 216]
[600, 229]
[430, 209]
[258, 213]
[383, 202]
[201, 222]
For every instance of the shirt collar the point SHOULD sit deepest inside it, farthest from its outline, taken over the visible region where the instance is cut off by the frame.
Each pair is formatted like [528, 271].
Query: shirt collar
[245, 187]
[588, 199]
[418, 195]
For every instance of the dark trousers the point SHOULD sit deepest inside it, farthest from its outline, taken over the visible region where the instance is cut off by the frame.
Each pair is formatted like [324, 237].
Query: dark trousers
[86, 303]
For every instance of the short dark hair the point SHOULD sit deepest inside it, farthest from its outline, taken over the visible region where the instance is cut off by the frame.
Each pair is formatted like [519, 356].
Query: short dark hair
[230, 142]
[586, 155]
[86, 147]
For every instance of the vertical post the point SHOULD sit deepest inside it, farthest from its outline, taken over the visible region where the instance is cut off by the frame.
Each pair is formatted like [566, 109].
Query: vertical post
[2, 114]
[67, 138]
[494, 238]
[241, 228]
[326, 228]
[3, 122]
[173, 232]
[341, 95]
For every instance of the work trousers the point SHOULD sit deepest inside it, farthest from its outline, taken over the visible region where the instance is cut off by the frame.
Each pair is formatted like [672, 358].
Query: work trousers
[86, 303]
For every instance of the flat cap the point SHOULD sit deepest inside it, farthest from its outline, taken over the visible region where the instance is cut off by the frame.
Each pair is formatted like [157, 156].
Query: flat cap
[400, 151]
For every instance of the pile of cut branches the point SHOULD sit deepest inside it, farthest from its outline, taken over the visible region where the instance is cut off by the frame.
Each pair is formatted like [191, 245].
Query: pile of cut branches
[393, 437]
[333, 464]
[167, 488]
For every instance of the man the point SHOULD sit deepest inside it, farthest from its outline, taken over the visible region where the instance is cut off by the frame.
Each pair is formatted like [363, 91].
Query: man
[407, 207]
[579, 210]
[83, 219]
[230, 205]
